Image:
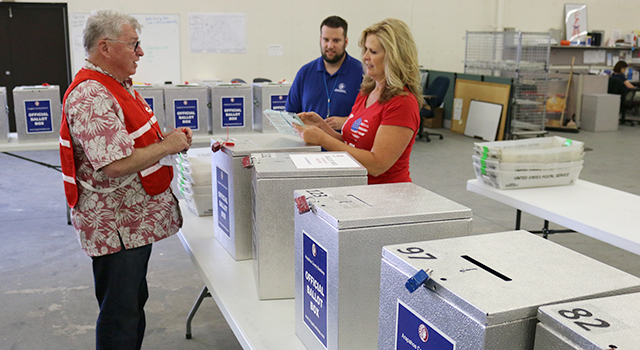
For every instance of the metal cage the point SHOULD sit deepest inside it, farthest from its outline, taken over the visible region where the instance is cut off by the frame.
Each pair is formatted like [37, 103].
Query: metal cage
[522, 56]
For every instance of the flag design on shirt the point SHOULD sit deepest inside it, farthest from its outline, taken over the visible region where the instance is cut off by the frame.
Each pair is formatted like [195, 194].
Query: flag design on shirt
[359, 128]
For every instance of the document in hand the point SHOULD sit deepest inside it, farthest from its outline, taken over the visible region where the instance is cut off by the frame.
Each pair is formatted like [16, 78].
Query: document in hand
[283, 121]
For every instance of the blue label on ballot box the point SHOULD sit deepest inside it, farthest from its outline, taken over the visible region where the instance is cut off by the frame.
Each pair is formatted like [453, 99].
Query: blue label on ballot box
[315, 288]
[149, 101]
[278, 102]
[186, 113]
[38, 115]
[222, 185]
[414, 332]
[232, 112]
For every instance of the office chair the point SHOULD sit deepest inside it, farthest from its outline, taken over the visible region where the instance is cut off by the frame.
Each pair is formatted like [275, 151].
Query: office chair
[261, 80]
[433, 97]
[238, 80]
[617, 87]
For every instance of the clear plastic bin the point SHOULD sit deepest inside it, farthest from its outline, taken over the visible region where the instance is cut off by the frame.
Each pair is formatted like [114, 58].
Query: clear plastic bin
[188, 188]
[526, 179]
[194, 167]
[492, 164]
[196, 178]
[538, 150]
[196, 155]
[200, 205]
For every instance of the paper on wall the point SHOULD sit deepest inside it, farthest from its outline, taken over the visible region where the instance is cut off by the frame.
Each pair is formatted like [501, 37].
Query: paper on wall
[218, 32]
[594, 56]
[457, 109]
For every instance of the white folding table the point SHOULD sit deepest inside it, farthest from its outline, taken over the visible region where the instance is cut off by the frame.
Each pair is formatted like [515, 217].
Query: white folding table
[600, 212]
[257, 324]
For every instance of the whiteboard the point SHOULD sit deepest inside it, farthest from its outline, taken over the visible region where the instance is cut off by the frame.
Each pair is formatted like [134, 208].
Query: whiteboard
[160, 41]
[483, 120]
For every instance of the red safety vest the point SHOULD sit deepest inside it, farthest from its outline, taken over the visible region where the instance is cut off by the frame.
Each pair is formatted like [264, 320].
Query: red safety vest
[141, 124]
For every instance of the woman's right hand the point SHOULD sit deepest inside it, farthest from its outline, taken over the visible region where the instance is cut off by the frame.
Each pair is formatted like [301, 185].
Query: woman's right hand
[314, 119]
[311, 118]
[310, 134]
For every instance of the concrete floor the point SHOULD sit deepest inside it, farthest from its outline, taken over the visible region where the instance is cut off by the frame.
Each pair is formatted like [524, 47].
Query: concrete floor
[46, 284]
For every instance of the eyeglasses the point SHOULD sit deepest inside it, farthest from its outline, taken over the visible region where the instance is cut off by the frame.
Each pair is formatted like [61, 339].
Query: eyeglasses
[135, 45]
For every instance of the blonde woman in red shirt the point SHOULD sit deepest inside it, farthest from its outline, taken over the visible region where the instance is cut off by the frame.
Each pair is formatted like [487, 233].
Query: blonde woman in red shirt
[385, 118]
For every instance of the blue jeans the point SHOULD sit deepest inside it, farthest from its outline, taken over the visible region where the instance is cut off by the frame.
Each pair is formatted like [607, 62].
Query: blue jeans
[121, 289]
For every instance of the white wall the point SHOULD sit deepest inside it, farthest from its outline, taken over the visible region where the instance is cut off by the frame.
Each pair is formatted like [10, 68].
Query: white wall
[438, 26]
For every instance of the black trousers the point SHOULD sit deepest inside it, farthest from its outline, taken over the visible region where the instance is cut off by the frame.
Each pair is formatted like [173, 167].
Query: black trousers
[121, 289]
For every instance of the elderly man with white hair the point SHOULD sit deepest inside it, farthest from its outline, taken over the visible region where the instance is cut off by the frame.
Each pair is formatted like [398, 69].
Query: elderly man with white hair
[120, 194]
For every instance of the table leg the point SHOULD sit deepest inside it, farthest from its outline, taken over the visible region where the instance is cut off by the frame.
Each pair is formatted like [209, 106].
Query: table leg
[203, 294]
[545, 229]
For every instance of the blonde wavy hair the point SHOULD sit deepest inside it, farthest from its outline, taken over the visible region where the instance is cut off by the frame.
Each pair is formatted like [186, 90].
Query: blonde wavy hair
[400, 60]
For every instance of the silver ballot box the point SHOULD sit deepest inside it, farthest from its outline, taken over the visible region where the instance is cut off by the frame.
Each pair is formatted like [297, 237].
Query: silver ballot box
[154, 96]
[231, 107]
[610, 323]
[274, 178]
[38, 112]
[231, 185]
[338, 249]
[484, 291]
[188, 106]
[4, 116]
[268, 96]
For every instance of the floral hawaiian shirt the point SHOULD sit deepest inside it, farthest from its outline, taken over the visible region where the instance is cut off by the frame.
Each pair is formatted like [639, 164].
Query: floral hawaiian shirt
[119, 209]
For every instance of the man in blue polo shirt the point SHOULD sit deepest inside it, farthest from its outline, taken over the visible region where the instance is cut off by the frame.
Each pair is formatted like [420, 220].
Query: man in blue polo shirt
[329, 84]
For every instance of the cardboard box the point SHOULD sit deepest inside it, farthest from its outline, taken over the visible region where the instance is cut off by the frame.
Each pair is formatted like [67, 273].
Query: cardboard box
[436, 121]
[600, 112]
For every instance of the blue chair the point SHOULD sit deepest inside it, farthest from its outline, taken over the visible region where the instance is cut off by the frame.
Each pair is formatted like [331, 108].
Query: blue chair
[433, 97]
